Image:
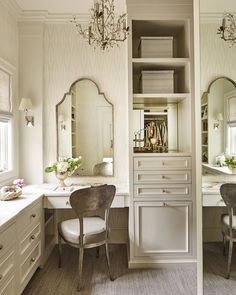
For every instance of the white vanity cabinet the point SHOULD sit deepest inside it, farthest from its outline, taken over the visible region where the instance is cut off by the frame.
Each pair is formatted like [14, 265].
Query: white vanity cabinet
[29, 227]
[20, 243]
[8, 260]
[162, 208]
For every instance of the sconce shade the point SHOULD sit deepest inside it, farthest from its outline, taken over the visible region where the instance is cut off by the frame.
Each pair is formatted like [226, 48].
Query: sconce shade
[219, 117]
[25, 104]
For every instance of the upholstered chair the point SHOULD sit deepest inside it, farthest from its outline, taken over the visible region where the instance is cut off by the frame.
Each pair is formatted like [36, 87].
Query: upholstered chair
[90, 229]
[228, 221]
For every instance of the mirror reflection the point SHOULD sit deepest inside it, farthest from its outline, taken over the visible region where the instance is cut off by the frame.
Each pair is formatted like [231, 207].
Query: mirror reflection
[85, 128]
[218, 105]
[155, 129]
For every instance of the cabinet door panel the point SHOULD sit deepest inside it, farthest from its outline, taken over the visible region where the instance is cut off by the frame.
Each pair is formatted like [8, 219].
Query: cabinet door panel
[159, 177]
[162, 228]
[154, 163]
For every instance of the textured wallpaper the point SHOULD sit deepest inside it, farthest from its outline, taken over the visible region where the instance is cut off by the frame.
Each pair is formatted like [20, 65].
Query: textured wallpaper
[217, 59]
[67, 57]
[8, 37]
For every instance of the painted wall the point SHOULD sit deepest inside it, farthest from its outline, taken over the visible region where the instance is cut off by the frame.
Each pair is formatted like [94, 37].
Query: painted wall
[67, 57]
[9, 61]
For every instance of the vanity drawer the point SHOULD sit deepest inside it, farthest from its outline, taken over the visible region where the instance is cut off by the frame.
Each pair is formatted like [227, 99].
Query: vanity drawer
[8, 287]
[29, 265]
[163, 191]
[163, 163]
[29, 217]
[30, 239]
[57, 202]
[159, 177]
[6, 265]
[7, 239]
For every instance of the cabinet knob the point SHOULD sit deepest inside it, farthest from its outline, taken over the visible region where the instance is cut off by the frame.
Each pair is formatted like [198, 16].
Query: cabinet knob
[164, 191]
[164, 204]
[32, 260]
[32, 237]
[1, 246]
[1, 276]
[33, 215]
[163, 177]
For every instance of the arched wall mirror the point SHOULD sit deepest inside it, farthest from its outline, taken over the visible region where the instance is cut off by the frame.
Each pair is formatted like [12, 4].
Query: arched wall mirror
[218, 115]
[85, 128]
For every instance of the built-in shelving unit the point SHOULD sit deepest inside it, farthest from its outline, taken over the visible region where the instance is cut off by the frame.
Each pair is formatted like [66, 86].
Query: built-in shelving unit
[73, 122]
[204, 124]
[161, 175]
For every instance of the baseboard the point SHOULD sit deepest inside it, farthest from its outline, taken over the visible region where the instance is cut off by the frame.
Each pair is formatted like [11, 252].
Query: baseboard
[161, 263]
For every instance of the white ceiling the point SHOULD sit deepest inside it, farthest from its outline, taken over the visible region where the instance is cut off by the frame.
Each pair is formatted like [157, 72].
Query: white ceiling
[57, 6]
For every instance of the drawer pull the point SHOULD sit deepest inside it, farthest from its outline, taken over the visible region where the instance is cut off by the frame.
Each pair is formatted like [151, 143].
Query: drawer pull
[164, 191]
[33, 215]
[67, 203]
[163, 177]
[1, 276]
[32, 260]
[1, 246]
[32, 237]
[164, 204]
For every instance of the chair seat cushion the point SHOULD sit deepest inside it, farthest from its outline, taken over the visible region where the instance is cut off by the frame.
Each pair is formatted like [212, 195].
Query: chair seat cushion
[225, 221]
[70, 229]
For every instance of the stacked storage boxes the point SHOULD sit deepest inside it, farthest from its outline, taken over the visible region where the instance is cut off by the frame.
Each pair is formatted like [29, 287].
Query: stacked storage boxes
[157, 81]
[156, 47]
[161, 81]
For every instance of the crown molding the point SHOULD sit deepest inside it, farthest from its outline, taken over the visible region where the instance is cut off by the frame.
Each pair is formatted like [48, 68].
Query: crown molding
[12, 7]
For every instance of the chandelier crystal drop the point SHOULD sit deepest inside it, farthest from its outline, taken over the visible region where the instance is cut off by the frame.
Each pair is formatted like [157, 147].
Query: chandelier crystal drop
[105, 30]
[227, 30]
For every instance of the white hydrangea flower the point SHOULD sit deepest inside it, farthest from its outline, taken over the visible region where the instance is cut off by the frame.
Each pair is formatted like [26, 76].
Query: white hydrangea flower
[62, 167]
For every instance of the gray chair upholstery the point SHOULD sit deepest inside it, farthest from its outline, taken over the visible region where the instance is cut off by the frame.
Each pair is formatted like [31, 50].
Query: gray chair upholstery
[228, 221]
[90, 229]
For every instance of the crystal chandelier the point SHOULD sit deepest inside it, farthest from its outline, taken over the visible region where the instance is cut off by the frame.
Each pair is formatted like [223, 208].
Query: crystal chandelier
[227, 30]
[104, 29]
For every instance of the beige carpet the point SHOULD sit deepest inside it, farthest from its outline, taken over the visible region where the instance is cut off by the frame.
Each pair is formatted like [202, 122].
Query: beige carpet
[51, 280]
[214, 271]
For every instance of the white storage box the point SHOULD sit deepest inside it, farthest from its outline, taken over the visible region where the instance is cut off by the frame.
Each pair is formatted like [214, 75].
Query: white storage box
[157, 81]
[156, 47]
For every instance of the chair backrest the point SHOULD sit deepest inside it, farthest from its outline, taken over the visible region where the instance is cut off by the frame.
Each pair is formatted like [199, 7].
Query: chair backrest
[228, 193]
[91, 201]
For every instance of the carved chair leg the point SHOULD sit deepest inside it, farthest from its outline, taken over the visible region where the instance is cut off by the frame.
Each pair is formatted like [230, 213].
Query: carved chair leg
[60, 250]
[81, 256]
[97, 252]
[229, 258]
[224, 244]
[108, 261]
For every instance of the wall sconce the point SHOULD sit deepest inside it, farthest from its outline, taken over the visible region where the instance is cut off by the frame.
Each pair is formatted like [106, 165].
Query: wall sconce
[61, 120]
[26, 106]
[219, 118]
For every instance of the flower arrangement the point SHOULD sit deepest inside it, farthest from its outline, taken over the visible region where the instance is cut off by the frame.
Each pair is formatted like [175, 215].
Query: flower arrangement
[230, 162]
[19, 182]
[64, 166]
[220, 160]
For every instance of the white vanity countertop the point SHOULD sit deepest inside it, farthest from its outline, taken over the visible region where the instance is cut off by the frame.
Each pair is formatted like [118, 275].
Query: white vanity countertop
[10, 209]
[211, 188]
[50, 190]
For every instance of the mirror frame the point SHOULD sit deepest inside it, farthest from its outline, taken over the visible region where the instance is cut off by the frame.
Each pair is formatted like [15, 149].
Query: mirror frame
[57, 127]
[213, 81]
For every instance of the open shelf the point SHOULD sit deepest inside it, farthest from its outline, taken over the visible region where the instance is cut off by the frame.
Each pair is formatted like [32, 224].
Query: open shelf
[159, 62]
[178, 29]
[158, 98]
